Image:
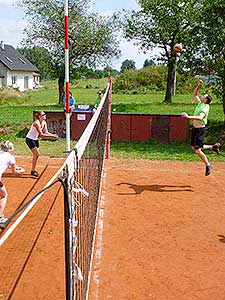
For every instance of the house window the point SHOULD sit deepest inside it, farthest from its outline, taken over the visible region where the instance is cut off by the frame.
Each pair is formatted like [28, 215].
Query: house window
[23, 61]
[9, 59]
[14, 79]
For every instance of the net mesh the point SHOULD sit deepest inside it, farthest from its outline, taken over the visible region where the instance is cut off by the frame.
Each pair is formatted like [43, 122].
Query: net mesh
[83, 189]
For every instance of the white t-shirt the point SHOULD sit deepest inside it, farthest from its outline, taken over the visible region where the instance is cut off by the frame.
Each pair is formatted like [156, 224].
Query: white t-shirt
[6, 160]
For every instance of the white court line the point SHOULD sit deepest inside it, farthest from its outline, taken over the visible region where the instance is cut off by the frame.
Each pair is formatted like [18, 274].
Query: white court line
[97, 241]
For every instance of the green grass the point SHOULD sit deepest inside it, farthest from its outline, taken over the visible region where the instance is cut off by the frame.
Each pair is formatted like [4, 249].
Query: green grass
[154, 150]
[16, 116]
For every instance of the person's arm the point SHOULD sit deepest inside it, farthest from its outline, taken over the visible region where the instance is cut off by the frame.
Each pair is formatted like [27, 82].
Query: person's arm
[199, 118]
[43, 133]
[196, 91]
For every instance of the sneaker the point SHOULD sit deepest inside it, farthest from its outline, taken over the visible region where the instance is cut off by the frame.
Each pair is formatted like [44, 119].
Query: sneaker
[208, 170]
[3, 220]
[216, 147]
[34, 173]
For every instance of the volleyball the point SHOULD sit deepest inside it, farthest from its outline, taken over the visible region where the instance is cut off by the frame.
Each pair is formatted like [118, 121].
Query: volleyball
[177, 48]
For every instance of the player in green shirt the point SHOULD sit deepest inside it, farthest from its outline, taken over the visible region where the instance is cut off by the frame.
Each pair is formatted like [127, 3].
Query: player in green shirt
[97, 100]
[200, 118]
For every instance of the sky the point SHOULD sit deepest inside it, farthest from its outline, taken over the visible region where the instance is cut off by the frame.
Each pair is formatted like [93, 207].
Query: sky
[12, 23]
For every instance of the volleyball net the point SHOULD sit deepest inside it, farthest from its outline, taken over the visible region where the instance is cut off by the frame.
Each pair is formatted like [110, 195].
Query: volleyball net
[81, 176]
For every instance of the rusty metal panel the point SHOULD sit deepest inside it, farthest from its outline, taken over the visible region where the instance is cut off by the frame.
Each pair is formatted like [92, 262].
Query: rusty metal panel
[78, 123]
[140, 128]
[56, 122]
[179, 128]
[160, 128]
[121, 127]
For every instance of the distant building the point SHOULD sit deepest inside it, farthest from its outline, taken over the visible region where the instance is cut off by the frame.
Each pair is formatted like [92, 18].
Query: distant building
[16, 71]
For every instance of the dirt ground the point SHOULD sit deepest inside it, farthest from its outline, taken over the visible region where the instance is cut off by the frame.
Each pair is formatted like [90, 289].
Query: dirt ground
[32, 257]
[160, 234]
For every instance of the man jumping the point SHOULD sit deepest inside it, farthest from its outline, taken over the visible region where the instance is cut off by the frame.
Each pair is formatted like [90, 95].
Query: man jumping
[200, 118]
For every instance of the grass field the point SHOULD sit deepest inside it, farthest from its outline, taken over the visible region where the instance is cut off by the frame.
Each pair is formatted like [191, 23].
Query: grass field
[16, 117]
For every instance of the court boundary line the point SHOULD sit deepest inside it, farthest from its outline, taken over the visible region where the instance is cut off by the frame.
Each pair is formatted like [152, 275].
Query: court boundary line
[98, 231]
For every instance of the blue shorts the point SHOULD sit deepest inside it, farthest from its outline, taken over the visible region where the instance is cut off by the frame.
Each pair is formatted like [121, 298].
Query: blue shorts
[32, 143]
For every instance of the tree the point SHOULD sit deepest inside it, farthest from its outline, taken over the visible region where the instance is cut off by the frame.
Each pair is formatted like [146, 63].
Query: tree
[213, 53]
[163, 23]
[40, 57]
[92, 37]
[127, 64]
[148, 63]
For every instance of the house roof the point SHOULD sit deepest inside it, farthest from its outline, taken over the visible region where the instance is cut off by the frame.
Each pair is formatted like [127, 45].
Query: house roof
[15, 61]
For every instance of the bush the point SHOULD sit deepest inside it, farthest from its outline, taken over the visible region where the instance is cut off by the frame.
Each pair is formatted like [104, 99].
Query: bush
[152, 78]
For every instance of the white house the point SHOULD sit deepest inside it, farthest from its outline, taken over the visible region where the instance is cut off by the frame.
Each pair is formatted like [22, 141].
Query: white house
[16, 71]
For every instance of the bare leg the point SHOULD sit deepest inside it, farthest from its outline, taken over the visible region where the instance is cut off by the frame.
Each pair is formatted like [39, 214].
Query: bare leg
[201, 155]
[36, 154]
[208, 147]
[3, 199]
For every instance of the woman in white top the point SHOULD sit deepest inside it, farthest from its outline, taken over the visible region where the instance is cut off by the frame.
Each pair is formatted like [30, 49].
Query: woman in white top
[6, 160]
[38, 129]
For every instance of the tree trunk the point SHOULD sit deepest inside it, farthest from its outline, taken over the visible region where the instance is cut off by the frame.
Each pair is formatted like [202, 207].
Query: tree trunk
[223, 96]
[61, 81]
[170, 81]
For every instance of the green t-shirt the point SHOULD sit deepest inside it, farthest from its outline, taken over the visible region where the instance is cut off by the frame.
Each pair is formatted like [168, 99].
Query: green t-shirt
[202, 107]
[97, 100]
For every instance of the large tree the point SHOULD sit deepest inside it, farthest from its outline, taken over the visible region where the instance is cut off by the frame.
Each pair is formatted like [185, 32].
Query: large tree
[163, 23]
[92, 39]
[211, 55]
[127, 64]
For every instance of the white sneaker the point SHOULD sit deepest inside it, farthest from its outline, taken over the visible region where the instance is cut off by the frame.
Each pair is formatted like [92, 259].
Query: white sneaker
[3, 220]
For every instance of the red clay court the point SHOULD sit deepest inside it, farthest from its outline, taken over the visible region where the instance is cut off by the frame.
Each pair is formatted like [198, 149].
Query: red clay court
[160, 234]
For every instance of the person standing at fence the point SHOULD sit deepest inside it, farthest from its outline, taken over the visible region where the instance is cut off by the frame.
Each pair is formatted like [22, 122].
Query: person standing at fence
[38, 129]
[7, 160]
[97, 100]
[72, 102]
[200, 119]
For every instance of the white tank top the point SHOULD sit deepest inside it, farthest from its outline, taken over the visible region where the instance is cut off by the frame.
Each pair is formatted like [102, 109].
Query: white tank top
[33, 133]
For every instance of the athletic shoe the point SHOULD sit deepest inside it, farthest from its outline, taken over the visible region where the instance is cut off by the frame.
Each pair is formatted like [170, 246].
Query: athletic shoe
[34, 173]
[208, 170]
[216, 147]
[3, 220]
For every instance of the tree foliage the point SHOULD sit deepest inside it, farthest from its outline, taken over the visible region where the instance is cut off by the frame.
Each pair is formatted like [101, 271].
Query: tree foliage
[40, 57]
[148, 63]
[162, 23]
[92, 39]
[127, 64]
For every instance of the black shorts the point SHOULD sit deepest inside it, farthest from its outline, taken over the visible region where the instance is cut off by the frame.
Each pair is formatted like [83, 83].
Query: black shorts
[197, 137]
[1, 184]
[32, 143]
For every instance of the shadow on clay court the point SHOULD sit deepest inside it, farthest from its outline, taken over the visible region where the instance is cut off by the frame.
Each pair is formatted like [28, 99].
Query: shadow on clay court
[162, 188]
[8, 175]
[221, 238]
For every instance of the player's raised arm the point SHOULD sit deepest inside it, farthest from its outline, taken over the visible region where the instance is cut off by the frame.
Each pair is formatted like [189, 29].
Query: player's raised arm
[196, 91]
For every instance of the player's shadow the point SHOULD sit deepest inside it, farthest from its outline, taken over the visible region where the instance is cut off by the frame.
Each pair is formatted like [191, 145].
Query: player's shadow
[162, 188]
[18, 176]
[221, 238]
